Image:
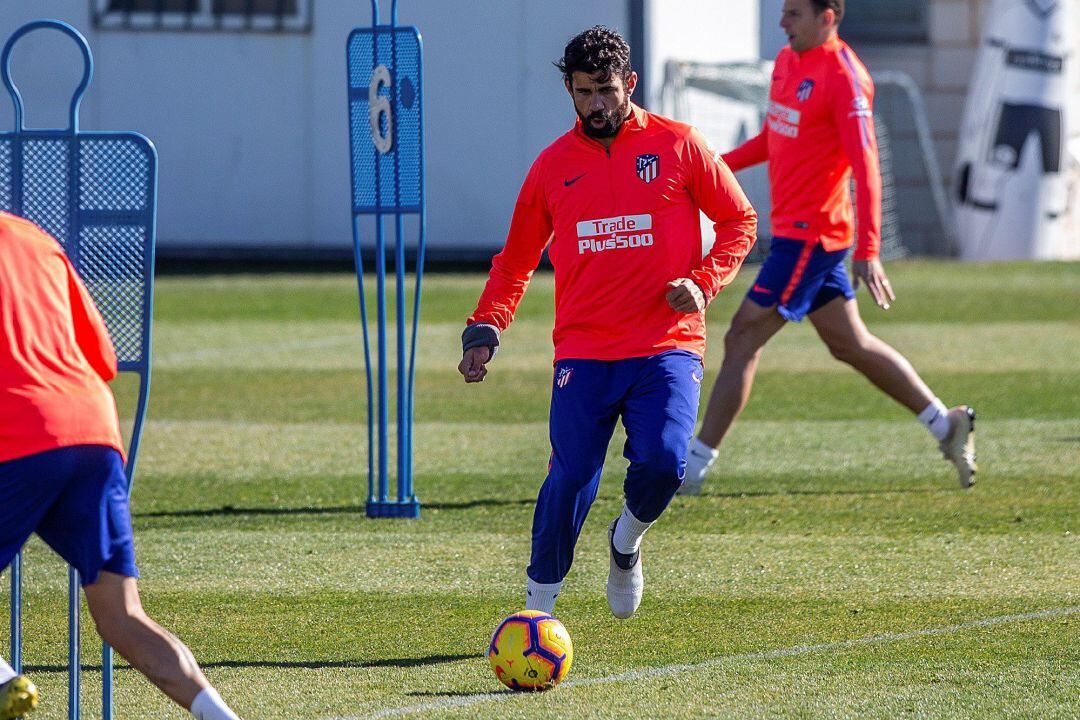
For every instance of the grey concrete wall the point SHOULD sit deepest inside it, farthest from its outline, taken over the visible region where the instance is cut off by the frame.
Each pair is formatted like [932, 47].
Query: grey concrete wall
[941, 68]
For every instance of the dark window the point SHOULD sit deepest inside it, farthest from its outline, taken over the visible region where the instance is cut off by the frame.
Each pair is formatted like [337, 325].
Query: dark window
[886, 21]
[226, 15]
[153, 5]
[258, 7]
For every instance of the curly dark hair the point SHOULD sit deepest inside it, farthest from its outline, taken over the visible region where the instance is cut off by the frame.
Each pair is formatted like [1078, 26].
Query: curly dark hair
[837, 6]
[596, 50]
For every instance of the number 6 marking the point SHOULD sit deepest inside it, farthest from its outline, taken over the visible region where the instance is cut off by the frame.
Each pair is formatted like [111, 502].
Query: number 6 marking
[379, 105]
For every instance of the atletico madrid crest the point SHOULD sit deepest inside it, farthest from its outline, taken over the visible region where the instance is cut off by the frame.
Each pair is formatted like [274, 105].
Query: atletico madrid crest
[563, 377]
[806, 89]
[648, 167]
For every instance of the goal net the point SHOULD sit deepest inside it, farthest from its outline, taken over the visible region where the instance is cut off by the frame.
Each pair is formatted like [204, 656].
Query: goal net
[727, 103]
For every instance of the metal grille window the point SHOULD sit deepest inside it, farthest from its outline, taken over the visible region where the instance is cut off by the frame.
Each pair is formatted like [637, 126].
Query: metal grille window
[886, 21]
[224, 15]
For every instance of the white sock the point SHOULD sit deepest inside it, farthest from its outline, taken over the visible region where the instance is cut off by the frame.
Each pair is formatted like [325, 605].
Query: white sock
[6, 671]
[935, 418]
[540, 596]
[208, 705]
[628, 532]
[699, 457]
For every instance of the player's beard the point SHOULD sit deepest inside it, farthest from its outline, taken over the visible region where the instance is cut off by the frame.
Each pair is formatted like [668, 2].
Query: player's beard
[613, 121]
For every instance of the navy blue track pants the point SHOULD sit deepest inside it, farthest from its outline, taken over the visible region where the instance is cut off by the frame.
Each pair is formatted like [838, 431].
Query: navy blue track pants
[657, 398]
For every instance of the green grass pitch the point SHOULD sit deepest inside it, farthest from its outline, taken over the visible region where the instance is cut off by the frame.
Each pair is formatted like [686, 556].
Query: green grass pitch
[830, 518]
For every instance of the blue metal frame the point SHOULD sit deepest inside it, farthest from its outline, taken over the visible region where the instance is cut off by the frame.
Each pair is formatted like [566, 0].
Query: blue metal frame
[136, 164]
[379, 503]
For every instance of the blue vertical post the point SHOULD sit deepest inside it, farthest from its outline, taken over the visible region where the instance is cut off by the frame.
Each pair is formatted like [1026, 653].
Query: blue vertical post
[384, 406]
[16, 613]
[74, 646]
[403, 395]
[402, 376]
[385, 92]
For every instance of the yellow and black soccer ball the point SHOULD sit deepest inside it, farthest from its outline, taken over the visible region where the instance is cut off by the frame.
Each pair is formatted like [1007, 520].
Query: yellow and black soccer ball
[530, 650]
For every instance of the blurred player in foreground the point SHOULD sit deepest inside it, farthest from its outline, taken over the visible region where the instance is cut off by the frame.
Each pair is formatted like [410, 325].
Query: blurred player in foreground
[818, 131]
[62, 468]
[615, 201]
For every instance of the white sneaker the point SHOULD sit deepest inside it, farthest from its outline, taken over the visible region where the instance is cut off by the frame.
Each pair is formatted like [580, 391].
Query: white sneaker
[959, 446]
[699, 458]
[691, 486]
[625, 580]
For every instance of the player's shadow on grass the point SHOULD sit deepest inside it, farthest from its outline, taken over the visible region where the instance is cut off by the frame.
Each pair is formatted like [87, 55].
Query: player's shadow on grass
[457, 693]
[320, 664]
[231, 510]
[825, 493]
[482, 502]
[291, 664]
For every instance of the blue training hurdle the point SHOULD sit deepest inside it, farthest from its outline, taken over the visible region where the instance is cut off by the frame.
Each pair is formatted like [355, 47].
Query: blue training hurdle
[95, 192]
[386, 134]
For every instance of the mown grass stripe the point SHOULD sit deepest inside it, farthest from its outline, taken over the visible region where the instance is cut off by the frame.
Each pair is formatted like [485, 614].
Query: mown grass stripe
[513, 396]
[645, 674]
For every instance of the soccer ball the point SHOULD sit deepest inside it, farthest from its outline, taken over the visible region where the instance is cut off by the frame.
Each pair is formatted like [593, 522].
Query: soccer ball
[530, 650]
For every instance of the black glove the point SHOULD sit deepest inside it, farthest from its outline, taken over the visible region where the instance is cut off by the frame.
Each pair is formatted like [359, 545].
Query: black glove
[480, 335]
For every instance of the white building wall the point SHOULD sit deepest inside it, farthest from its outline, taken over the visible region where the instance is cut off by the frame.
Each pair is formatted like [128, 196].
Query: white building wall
[251, 129]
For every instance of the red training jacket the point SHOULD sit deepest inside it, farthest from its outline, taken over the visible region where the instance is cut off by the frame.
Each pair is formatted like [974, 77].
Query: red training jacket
[55, 354]
[818, 130]
[619, 224]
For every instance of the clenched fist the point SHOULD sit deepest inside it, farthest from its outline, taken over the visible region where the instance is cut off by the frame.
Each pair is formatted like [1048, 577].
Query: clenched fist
[685, 296]
[473, 364]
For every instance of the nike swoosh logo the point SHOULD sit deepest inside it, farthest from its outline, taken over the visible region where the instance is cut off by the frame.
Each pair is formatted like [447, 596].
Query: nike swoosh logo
[763, 291]
[568, 183]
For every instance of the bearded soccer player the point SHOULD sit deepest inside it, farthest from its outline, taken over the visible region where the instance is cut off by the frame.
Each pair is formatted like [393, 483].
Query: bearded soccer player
[62, 468]
[616, 203]
[819, 131]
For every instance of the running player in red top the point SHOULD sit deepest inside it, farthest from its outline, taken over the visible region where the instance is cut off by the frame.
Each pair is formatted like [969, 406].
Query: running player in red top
[819, 132]
[616, 202]
[61, 465]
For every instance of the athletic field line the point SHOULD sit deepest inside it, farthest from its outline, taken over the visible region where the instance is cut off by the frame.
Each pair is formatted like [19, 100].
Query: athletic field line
[669, 670]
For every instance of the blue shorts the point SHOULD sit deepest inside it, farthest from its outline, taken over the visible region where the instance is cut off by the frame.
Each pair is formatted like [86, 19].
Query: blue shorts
[800, 278]
[76, 500]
